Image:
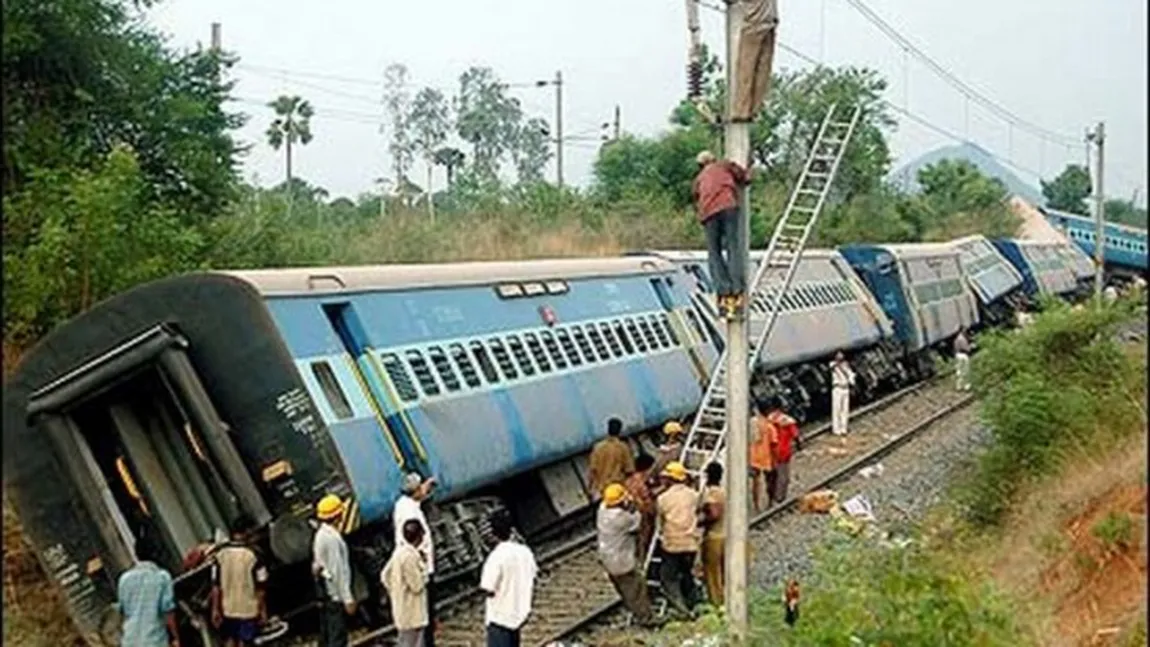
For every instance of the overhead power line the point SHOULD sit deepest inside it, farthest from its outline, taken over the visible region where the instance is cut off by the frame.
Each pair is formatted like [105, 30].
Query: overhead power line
[963, 88]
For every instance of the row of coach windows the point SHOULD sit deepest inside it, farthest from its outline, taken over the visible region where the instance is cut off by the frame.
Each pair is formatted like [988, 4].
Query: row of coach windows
[1118, 243]
[938, 291]
[433, 370]
[815, 295]
[983, 263]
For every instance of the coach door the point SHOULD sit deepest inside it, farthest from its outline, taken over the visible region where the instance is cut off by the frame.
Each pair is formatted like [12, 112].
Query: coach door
[147, 451]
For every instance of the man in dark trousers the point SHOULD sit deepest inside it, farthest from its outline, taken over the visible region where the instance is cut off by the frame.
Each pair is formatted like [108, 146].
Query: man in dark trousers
[716, 193]
[238, 580]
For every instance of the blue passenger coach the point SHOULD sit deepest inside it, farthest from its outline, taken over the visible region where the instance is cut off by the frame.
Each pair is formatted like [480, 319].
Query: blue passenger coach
[920, 287]
[1043, 268]
[1125, 247]
[994, 281]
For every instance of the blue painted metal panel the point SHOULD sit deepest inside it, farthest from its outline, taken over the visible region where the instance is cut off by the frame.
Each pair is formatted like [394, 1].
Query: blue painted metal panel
[878, 270]
[1009, 249]
[374, 475]
[1124, 246]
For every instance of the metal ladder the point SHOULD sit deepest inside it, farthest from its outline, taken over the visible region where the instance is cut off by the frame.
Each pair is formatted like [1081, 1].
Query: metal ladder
[764, 295]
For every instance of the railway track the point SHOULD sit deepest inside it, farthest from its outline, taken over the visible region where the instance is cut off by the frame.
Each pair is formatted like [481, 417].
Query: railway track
[572, 591]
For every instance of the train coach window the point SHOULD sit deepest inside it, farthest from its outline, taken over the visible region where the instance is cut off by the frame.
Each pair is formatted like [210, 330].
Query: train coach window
[422, 372]
[399, 377]
[484, 362]
[553, 351]
[331, 390]
[503, 359]
[466, 368]
[597, 340]
[634, 333]
[519, 352]
[670, 330]
[568, 347]
[443, 367]
[649, 334]
[610, 333]
[509, 290]
[537, 352]
[556, 287]
[583, 342]
[659, 332]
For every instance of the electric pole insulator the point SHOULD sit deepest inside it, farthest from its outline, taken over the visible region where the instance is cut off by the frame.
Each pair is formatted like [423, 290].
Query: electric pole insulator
[695, 79]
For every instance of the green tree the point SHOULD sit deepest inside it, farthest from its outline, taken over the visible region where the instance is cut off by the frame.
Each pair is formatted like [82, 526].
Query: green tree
[531, 150]
[397, 106]
[634, 167]
[430, 123]
[1126, 213]
[956, 200]
[487, 119]
[1068, 191]
[450, 159]
[292, 124]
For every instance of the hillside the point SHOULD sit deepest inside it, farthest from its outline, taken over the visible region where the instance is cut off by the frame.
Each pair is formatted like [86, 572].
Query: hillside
[974, 154]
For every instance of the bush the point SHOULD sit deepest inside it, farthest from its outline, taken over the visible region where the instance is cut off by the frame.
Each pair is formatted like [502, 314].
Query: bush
[1062, 385]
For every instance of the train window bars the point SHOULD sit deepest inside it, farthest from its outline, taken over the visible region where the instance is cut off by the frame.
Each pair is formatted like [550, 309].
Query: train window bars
[520, 355]
[649, 334]
[466, 368]
[553, 351]
[399, 377]
[422, 372]
[670, 330]
[537, 352]
[627, 347]
[502, 358]
[569, 347]
[484, 361]
[633, 332]
[443, 367]
[584, 343]
[660, 334]
[597, 340]
[331, 390]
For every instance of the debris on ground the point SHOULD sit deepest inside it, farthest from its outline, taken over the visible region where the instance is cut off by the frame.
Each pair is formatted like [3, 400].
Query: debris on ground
[820, 501]
[871, 471]
[859, 507]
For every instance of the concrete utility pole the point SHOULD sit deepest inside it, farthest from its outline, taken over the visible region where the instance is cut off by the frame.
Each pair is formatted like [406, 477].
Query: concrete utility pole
[559, 128]
[1098, 137]
[618, 125]
[737, 143]
[217, 39]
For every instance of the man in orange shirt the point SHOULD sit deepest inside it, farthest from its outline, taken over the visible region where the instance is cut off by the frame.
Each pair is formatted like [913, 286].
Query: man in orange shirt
[762, 456]
[716, 192]
[785, 440]
[640, 494]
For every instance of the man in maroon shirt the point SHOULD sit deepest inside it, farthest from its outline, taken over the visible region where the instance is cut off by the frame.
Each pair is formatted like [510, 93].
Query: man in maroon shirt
[716, 192]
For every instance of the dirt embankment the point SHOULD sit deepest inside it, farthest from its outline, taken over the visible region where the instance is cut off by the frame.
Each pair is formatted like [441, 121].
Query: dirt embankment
[1076, 551]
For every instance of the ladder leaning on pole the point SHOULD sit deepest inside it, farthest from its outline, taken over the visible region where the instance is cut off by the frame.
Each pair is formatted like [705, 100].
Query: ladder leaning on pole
[764, 294]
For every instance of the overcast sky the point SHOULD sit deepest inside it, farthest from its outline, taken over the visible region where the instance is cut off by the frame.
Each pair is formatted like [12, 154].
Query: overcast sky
[1060, 64]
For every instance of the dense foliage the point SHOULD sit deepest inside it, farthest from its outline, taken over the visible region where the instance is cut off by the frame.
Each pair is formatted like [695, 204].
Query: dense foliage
[1058, 386]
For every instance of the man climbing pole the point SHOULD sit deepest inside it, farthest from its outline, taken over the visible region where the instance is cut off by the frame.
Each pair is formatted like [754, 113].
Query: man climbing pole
[717, 203]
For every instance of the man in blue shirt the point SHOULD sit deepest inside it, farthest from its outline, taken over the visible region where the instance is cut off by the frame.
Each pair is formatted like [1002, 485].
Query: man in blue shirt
[147, 603]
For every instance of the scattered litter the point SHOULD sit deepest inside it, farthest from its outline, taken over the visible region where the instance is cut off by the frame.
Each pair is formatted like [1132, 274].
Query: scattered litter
[820, 501]
[871, 471]
[837, 451]
[859, 507]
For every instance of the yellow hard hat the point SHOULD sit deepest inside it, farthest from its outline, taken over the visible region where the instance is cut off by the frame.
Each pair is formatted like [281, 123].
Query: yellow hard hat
[675, 471]
[672, 427]
[614, 494]
[329, 507]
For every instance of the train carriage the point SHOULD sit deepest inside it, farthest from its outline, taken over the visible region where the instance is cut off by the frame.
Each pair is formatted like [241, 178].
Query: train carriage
[994, 281]
[1043, 268]
[920, 287]
[177, 405]
[1124, 247]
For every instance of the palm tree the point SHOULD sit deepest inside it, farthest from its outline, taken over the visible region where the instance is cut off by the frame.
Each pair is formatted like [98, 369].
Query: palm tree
[451, 159]
[292, 124]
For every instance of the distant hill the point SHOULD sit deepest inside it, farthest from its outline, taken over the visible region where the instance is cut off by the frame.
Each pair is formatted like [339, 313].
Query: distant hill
[972, 153]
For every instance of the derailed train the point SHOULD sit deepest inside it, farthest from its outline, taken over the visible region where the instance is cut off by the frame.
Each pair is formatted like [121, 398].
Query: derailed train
[167, 411]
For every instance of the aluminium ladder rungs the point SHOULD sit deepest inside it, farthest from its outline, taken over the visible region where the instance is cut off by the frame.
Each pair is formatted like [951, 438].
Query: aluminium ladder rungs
[709, 428]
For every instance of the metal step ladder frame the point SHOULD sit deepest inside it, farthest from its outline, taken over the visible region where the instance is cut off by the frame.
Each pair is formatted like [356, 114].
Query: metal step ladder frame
[764, 296]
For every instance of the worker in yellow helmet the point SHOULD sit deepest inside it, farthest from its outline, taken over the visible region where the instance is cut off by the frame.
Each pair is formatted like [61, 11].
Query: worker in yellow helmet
[672, 447]
[617, 523]
[678, 507]
[332, 569]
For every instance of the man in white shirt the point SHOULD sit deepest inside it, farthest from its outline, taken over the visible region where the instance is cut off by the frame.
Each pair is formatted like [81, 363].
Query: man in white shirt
[508, 578]
[332, 569]
[842, 379]
[409, 506]
[962, 361]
